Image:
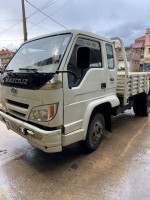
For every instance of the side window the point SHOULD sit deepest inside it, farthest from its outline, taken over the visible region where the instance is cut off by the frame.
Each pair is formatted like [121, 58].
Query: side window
[110, 56]
[95, 55]
[95, 60]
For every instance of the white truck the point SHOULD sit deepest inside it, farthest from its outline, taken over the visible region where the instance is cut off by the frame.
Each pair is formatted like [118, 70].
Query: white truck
[64, 87]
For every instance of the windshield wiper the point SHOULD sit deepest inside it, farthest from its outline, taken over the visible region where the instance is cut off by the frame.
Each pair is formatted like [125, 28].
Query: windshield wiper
[11, 72]
[35, 70]
[27, 69]
[8, 70]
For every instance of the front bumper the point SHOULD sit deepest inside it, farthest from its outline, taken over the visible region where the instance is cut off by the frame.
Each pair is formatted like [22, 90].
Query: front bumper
[47, 141]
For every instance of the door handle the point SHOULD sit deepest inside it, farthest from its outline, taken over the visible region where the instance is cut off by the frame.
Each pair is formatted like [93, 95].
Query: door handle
[111, 79]
[103, 85]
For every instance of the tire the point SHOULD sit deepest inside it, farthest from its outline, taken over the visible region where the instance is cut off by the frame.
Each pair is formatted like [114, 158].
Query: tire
[137, 106]
[146, 105]
[94, 133]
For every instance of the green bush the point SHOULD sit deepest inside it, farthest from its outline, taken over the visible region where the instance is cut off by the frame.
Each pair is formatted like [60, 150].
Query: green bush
[121, 68]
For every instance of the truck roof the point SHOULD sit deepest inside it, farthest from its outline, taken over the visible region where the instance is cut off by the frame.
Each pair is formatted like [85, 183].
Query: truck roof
[74, 32]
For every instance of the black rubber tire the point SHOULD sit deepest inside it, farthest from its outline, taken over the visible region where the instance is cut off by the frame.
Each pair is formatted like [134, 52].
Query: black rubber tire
[146, 105]
[137, 106]
[94, 133]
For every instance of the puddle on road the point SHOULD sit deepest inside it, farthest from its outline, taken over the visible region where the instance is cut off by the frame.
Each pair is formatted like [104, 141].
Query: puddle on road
[4, 185]
[3, 152]
[105, 171]
[148, 152]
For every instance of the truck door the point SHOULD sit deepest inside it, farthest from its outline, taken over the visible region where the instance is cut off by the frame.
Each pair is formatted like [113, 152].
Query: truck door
[110, 67]
[85, 83]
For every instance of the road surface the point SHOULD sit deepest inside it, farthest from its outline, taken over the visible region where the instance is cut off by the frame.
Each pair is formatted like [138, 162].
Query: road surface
[118, 170]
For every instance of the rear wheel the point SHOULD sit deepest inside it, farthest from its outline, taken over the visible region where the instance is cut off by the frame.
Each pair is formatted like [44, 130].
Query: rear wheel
[94, 133]
[137, 105]
[141, 105]
[146, 105]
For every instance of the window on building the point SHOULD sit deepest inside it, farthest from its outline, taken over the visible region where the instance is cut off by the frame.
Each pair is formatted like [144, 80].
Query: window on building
[110, 56]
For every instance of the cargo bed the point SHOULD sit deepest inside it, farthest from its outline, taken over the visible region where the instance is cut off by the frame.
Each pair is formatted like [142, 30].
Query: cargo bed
[133, 84]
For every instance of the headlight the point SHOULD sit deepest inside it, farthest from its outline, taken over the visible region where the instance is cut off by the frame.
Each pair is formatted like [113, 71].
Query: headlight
[43, 113]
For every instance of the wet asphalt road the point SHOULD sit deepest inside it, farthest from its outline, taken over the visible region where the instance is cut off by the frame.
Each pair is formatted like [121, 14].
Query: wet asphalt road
[118, 170]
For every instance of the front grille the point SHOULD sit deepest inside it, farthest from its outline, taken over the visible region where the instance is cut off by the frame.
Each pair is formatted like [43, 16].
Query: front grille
[18, 113]
[22, 105]
[16, 108]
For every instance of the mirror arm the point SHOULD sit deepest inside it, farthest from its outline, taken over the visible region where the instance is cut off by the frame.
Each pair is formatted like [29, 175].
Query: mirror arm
[68, 71]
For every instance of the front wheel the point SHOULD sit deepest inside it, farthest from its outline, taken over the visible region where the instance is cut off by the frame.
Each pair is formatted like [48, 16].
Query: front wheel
[94, 133]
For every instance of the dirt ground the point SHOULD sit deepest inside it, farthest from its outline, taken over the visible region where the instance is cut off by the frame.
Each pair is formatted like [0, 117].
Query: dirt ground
[118, 170]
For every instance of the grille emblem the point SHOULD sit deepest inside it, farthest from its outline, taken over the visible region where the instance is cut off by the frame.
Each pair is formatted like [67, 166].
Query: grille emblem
[14, 91]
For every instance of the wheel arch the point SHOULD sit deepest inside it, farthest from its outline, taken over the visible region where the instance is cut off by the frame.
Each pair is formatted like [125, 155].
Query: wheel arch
[102, 105]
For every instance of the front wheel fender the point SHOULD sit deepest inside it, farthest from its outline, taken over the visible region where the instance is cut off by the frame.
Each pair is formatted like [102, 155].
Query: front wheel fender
[112, 100]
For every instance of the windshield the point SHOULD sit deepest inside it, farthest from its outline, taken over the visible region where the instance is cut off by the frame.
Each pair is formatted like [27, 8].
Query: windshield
[42, 55]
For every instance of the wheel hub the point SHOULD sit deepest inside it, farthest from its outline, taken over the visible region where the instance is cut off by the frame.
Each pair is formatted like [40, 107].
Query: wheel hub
[97, 132]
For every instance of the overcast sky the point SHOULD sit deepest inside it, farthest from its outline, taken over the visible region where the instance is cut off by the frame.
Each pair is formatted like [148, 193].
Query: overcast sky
[127, 19]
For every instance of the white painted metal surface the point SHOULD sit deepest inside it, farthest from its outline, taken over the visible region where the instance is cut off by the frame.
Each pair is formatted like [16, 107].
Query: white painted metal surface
[125, 101]
[136, 82]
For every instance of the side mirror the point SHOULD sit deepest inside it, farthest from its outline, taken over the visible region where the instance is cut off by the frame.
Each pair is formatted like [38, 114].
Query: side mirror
[83, 57]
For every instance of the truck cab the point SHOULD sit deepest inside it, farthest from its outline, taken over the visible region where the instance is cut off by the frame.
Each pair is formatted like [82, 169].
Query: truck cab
[59, 89]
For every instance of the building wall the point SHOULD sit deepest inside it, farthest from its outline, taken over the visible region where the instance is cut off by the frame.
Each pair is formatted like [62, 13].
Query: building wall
[5, 56]
[147, 44]
[5, 60]
[133, 59]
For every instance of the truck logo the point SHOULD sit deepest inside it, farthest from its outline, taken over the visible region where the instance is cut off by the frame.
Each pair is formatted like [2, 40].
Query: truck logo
[17, 81]
[14, 91]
